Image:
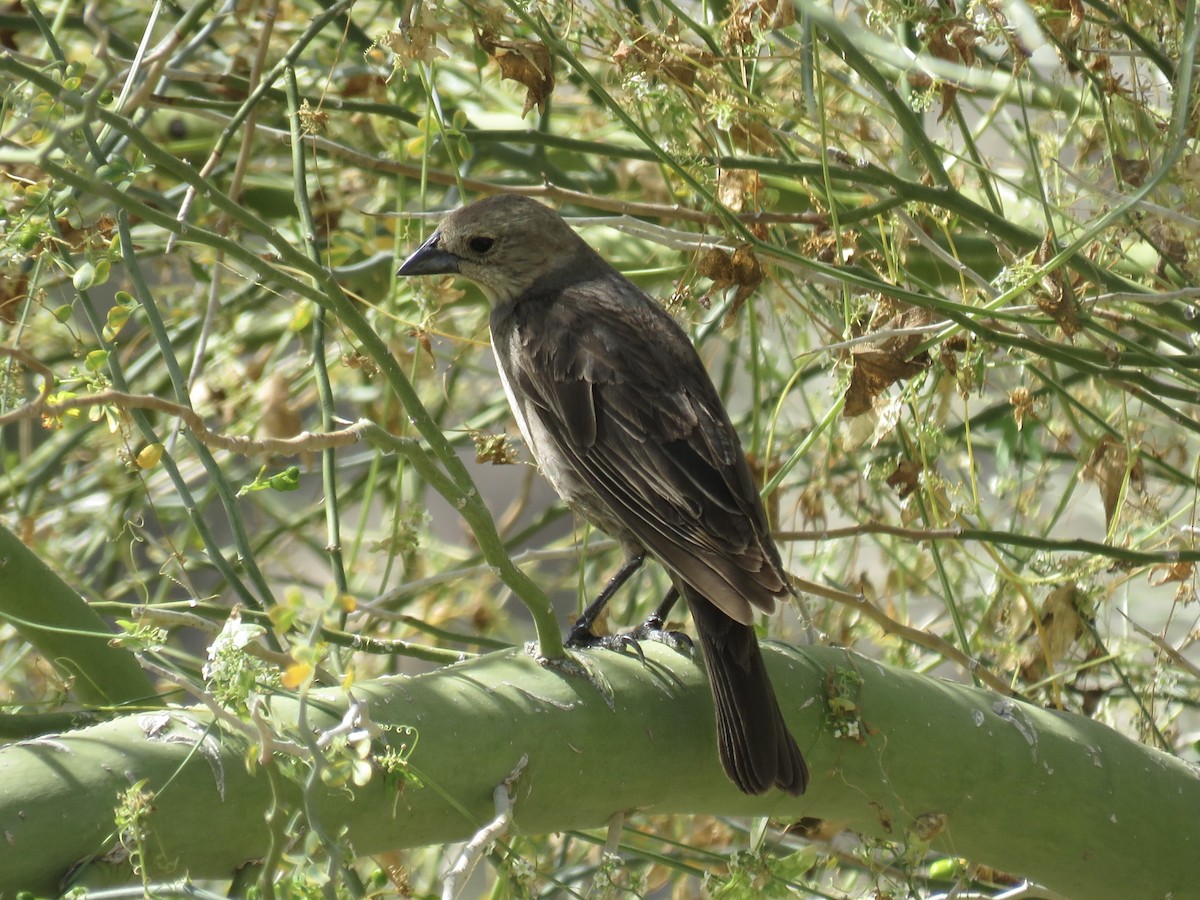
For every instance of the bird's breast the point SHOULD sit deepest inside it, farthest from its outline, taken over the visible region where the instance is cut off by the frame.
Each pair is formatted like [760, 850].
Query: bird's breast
[552, 460]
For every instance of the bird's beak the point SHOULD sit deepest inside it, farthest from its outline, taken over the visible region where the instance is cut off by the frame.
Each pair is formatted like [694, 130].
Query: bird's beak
[430, 259]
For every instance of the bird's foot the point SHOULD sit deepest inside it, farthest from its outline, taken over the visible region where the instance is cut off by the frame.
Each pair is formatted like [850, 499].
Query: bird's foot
[581, 636]
[652, 630]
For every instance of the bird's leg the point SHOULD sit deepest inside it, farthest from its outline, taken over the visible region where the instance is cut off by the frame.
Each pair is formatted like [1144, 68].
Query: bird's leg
[657, 618]
[581, 634]
[652, 629]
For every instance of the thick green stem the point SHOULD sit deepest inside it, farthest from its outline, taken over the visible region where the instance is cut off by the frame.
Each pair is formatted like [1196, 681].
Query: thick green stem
[1057, 798]
[48, 613]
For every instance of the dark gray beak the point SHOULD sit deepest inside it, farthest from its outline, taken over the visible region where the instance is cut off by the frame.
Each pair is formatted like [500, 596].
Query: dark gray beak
[430, 259]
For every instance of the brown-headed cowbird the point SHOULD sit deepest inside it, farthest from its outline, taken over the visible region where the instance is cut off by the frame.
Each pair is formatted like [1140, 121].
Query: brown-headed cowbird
[624, 421]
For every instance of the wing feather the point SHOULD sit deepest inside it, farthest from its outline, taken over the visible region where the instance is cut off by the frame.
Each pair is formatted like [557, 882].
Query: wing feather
[645, 434]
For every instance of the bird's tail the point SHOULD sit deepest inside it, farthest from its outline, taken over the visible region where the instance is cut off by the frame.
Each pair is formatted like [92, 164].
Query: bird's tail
[757, 750]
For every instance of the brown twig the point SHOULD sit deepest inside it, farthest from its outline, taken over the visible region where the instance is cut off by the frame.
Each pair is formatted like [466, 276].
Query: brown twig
[482, 188]
[907, 633]
[989, 536]
[46, 405]
[35, 406]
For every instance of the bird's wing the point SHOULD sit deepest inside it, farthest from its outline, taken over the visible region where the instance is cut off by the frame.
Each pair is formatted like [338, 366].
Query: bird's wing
[621, 391]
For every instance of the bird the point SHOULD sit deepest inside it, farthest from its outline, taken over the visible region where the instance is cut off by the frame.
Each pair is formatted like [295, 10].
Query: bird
[624, 421]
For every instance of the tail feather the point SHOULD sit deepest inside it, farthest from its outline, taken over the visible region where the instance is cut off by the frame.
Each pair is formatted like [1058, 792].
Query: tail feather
[757, 750]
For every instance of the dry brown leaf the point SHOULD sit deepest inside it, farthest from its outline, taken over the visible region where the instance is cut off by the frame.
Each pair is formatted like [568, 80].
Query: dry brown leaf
[1058, 628]
[965, 37]
[1132, 171]
[12, 297]
[948, 359]
[425, 342]
[735, 185]
[415, 44]
[879, 364]
[1172, 248]
[949, 92]
[812, 503]
[740, 268]
[1167, 573]
[360, 362]
[754, 136]
[952, 40]
[927, 826]
[964, 376]
[1064, 20]
[1181, 573]
[686, 64]
[747, 275]
[752, 16]
[783, 13]
[1021, 400]
[1061, 623]
[906, 478]
[835, 249]
[874, 371]
[813, 829]
[747, 271]
[716, 264]
[1109, 468]
[526, 62]
[663, 56]
[1059, 300]
[919, 81]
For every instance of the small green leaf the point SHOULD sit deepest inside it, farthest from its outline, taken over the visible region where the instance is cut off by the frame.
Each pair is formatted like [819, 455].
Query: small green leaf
[302, 317]
[28, 236]
[149, 456]
[84, 277]
[287, 480]
[117, 317]
[96, 360]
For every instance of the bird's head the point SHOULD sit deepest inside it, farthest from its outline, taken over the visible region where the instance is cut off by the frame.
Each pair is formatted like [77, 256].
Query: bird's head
[506, 244]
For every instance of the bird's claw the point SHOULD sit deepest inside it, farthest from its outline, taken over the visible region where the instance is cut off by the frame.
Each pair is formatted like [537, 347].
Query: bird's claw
[584, 638]
[623, 642]
[650, 630]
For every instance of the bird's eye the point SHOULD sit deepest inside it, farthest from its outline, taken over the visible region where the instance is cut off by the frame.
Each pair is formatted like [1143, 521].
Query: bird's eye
[481, 244]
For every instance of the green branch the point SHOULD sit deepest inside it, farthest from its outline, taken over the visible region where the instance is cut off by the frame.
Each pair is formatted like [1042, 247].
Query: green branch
[1056, 798]
[323, 290]
[51, 616]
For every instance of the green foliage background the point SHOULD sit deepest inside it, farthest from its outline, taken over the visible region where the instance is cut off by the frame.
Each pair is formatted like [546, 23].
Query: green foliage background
[971, 225]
